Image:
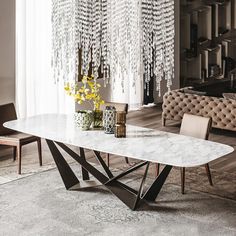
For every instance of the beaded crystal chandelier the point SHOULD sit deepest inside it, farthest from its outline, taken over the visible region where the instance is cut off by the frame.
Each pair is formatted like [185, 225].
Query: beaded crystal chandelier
[158, 41]
[113, 37]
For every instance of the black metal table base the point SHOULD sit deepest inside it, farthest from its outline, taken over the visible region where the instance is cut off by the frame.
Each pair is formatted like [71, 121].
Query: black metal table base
[131, 197]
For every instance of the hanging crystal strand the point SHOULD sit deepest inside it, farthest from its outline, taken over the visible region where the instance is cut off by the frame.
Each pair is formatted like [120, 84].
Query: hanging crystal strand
[112, 39]
[105, 7]
[147, 24]
[88, 37]
[83, 31]
[73, 46]
[164, 48]
[55, 32]
[62, 37]
[77, 38]
[133, 40]
[90, 31]
[94, 34]
[124, 43]
[169, 50]
[96, 38]
[170, 42]
[107, 44]
[57, 39]
[159, 43]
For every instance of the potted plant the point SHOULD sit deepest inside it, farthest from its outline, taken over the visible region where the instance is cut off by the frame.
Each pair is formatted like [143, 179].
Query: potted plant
[89, 92]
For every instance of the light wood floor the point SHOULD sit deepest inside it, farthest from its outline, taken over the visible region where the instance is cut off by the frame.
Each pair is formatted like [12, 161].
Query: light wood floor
[151, 118]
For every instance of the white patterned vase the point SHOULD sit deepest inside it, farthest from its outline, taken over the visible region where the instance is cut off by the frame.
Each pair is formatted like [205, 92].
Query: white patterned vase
[109, 119]
[83, 119]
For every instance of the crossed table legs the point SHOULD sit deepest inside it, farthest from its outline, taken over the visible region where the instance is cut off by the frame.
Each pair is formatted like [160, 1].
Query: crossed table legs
[131, 197]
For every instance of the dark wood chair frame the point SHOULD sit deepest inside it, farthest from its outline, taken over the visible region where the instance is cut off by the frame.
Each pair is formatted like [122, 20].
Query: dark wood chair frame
[7, 113]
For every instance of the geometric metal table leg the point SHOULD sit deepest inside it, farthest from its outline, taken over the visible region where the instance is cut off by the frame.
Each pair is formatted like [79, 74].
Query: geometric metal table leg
[126, 194]
[85, 174]
[152, 193]
[65, 171]
[128, 171]
[103, 164]
[86, 182]
[139, 197]
[70, 180]
[86, 165]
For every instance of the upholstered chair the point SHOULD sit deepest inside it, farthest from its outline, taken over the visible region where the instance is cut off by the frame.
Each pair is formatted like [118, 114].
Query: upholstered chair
[15, 139]
[198, 127]
[119, 107]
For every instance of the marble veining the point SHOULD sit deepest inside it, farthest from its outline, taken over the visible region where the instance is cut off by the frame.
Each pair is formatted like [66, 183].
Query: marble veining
[140, 143]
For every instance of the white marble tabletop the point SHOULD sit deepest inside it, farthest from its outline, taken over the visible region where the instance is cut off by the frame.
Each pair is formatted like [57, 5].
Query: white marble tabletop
[140, 143]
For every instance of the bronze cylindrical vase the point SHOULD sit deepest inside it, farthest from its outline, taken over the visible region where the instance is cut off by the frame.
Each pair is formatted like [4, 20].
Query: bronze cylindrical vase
[120, 127]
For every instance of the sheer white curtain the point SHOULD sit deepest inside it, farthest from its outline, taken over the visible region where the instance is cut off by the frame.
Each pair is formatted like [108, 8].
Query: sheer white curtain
[128, 92]
[36, 92]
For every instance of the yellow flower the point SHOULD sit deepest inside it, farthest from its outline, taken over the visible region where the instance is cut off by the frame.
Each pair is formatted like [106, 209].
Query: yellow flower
[89, 91]
[67, 88]
[77, 96]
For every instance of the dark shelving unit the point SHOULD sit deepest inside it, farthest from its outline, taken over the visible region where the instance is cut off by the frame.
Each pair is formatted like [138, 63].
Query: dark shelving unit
[208, 43]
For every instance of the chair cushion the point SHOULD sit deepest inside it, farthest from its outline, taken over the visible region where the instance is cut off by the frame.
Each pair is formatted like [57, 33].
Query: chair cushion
[118, 106]
[17, 136]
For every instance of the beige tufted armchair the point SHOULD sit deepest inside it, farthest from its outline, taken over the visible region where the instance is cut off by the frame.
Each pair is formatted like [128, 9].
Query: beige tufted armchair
[221, 110]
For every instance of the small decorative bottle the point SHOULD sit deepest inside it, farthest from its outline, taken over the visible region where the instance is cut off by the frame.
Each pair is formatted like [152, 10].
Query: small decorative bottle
[109, 119]
[120, 131]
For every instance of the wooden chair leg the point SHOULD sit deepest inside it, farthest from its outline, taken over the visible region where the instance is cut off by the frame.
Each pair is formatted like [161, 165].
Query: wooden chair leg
[127, 160]
[40, 152]
[163, 121]
[182, 179]
[19, 147]
[108, 159]
[157, 169]
[209, 174]
[14, 153]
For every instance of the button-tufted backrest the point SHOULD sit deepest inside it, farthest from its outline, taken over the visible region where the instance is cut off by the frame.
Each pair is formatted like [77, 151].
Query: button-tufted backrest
[222, 111]
[118, 106]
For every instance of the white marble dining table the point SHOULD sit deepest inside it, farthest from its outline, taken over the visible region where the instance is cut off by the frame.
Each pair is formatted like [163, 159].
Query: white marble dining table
[146, 145]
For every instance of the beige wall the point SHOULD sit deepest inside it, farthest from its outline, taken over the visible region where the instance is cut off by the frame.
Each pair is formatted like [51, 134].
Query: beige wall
[7, 51]
[7, 55]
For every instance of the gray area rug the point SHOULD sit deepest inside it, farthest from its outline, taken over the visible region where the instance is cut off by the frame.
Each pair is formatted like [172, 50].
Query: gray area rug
[40, 205]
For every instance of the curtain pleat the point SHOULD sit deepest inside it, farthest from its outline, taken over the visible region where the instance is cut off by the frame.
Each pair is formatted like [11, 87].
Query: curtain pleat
[36, 91]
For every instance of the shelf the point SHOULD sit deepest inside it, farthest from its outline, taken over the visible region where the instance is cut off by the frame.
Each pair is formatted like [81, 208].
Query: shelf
[208, 82]
[208, 40]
